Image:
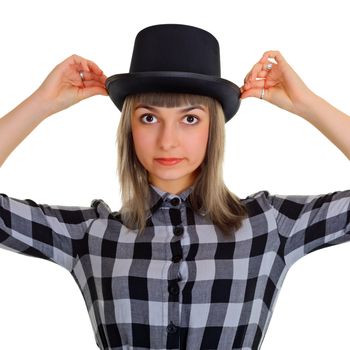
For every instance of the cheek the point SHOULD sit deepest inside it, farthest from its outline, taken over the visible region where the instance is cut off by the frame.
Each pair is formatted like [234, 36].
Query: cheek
[197, 144]
[142, 143]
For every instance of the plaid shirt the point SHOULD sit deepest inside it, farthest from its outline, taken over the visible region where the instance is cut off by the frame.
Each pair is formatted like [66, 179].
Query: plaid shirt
[183, 284]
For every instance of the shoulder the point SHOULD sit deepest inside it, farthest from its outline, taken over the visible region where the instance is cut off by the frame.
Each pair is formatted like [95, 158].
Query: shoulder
[262, 196]
[258, 202]
[104, 211]
[261, 193]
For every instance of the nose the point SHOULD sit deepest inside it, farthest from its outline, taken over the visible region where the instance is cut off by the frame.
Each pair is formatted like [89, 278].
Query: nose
[168, 136]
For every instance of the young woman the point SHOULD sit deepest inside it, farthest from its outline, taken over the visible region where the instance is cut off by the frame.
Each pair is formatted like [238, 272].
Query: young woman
[184, 264]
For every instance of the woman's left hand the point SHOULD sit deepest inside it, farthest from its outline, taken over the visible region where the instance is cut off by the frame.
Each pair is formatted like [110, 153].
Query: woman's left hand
[282, 86]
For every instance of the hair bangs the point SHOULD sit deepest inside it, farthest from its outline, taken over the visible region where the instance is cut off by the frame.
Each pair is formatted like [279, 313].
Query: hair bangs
[170, 99]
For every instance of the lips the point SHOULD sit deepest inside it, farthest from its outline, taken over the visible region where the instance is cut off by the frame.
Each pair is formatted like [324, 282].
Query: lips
[169, 161]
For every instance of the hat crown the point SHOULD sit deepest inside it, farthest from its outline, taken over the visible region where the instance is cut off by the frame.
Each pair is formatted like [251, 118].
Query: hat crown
[176, 47]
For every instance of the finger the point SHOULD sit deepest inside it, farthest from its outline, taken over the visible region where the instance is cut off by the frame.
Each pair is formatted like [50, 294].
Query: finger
[90, 66]
[92, 76]
[248, 76]
[260, 93]
[85, 79]
[263, 73]
[259, 70]
[257, 93]
[253, 72]
[92, 91]
[262, 68]
[95, 68]
[260, 83]
[276, 55]
[267, 67]
[80, 62]
[256, 69]
[86, 64]
[93, 83]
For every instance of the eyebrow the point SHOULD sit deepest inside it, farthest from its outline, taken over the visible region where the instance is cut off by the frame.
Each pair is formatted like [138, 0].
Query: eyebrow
[151, 108]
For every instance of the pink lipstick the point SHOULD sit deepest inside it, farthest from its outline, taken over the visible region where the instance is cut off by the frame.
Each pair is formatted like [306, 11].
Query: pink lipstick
[169, 161]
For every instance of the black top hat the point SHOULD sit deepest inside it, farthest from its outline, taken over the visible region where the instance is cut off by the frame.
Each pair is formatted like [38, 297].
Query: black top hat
[175, 58]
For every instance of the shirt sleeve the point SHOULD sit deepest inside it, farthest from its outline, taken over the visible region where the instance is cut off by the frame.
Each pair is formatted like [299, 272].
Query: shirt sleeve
[310, 222]
[44, 231]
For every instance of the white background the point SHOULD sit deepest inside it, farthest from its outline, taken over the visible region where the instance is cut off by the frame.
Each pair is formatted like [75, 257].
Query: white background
[70, 158]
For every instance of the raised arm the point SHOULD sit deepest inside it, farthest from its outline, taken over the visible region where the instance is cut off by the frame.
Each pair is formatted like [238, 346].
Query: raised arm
[62, 88]
[48, 231]
[279, 84]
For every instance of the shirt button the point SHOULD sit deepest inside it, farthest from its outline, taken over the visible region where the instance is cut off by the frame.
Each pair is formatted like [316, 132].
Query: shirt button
[173, 289]
[176, 258]
[178, 230]
[171, 328]
[175, 201]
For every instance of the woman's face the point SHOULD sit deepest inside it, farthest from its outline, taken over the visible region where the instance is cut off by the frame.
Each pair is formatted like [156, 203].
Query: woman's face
[170, 143]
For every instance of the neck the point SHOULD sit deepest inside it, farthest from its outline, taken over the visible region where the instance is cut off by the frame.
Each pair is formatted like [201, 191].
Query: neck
[174, 186]
[171, 188]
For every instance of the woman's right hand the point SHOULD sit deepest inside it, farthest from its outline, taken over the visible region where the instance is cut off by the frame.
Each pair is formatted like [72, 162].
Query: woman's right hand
[64, 86]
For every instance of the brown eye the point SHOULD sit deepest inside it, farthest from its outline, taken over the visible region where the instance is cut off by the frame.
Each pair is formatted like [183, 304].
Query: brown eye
[191, 119]
[147, 118]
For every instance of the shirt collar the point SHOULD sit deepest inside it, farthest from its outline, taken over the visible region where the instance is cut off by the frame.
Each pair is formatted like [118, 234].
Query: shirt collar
[158, 197]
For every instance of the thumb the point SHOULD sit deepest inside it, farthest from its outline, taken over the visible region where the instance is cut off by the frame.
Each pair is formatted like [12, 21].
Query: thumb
[254, 92]
[93, 91]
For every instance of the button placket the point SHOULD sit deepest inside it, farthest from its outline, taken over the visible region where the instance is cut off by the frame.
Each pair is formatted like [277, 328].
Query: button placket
[175, 210]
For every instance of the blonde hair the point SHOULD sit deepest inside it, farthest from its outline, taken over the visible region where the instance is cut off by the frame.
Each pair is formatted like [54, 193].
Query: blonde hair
[209, 196]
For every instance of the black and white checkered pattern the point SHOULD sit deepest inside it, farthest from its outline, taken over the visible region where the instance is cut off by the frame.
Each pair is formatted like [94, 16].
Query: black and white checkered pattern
[183, 284]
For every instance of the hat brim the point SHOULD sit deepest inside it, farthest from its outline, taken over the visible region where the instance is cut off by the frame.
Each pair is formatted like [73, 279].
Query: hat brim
[119, 86]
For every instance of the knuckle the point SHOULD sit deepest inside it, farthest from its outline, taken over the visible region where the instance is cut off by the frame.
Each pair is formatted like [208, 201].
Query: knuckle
[75, 56]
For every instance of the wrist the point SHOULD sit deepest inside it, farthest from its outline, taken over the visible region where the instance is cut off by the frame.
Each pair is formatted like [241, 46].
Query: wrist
[43, 107]
[309, 105]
